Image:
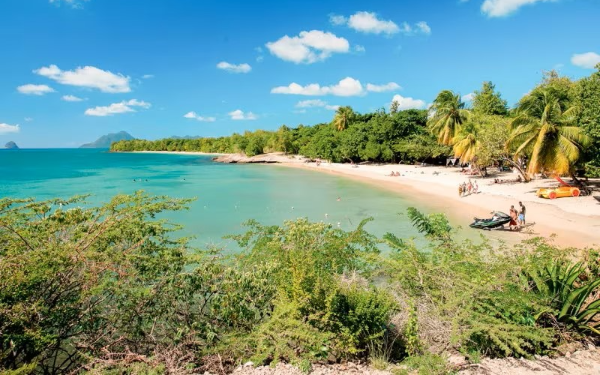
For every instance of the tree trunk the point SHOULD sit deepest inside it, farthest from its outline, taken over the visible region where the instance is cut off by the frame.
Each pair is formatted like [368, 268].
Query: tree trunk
[524, 174]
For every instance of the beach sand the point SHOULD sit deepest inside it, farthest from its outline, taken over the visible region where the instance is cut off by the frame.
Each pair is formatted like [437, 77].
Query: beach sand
[570, 221]
[573, 221]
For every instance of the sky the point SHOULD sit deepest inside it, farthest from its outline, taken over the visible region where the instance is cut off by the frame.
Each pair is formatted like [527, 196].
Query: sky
[73, 70]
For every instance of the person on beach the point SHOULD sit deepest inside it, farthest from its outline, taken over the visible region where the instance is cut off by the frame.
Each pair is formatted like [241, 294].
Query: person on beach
[460, 190]
[469, 187]
[522, 214]
[464, 188]
[513, 218]
[475, 187]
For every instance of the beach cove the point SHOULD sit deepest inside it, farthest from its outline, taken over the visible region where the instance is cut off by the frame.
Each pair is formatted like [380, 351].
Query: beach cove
[572, 222]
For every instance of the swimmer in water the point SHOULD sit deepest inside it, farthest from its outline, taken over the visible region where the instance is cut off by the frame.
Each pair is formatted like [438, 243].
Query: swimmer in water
[339, 199]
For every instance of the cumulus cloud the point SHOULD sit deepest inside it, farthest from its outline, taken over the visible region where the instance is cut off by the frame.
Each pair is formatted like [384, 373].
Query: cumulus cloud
[87, 76]
[31, 89]
[195, 116]
[116, 108]
[71, 98]
[586, 60]
[318, 103]
[468, 97]
[346, 87]
[232, 68]
[238, 114]
[392, 86]
[501, 8]
[369, 23]
[308, 47]
[7, 129]
[408, 103]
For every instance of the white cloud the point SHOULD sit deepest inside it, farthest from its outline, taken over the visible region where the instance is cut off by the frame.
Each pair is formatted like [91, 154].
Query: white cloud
[87, 76]
[315, 103]
[423, 27]
[148, 76]
[392, 86]
[28, 119]
[358, 48]
[71, 98]
[346, 87]
[501, 8]
[308, 47]
[408, 103]
[77, 4]
[30, 89]
[116, 108]
[337, 19]
[586, 60]
[467, 98]
[238, 114]
[7, 129]
[232, 68]
[195, 116]
[369, 23]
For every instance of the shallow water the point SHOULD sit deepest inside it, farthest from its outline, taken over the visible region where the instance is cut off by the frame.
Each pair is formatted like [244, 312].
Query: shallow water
[226, 194]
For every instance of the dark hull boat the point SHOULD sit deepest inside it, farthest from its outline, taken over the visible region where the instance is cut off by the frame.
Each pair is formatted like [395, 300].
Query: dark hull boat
[498, 220]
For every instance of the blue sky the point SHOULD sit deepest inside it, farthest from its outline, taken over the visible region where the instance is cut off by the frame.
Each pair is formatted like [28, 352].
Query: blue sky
[73, 70]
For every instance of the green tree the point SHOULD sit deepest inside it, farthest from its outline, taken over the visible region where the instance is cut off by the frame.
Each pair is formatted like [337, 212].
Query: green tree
[394, 107]
[545, 132]
[343, 117]
[448, 114]
[587, 99]
[487, 101]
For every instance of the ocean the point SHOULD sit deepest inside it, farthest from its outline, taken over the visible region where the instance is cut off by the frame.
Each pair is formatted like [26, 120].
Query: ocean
[226, 195]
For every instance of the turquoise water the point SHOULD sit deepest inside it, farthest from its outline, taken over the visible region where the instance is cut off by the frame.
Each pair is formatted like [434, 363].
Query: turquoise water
[227, 194]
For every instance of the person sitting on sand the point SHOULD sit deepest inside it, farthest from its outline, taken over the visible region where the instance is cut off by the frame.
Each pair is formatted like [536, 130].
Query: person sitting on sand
[397, 174]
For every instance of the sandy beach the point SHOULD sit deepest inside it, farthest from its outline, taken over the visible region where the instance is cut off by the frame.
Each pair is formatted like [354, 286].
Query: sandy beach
[571, 221]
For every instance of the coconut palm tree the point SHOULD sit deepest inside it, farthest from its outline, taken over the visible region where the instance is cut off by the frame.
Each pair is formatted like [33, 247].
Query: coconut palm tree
[343, 116]
[545, 131]
[466, 143]
[448, 113]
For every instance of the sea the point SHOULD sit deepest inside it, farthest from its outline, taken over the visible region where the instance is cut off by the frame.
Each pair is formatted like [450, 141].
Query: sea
[225, 195]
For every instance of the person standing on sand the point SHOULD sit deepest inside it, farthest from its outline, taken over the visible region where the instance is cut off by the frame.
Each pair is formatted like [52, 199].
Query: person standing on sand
[475, 187]
[522, 214]
[513, 218]
[460, 190]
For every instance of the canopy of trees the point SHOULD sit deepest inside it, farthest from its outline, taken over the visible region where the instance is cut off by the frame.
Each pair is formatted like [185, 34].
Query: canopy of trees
[555, 128]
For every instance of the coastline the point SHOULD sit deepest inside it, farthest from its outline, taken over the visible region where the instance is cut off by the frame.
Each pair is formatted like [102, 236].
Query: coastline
[571, 222]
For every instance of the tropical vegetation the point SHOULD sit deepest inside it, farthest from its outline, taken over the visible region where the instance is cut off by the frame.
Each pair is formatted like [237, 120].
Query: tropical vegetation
[113, 289]
[554, 129]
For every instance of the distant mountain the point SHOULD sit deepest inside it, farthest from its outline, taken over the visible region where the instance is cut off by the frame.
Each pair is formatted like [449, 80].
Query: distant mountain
[11, 146]
[106, 140]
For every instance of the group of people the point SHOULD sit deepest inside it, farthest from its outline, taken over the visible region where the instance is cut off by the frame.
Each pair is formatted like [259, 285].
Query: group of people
[517, 217]
[467, 189]
[394, 174]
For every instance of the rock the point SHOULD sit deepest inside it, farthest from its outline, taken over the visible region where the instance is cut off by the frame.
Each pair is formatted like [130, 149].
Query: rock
[457, 360]
[11, 146]
[249, 364]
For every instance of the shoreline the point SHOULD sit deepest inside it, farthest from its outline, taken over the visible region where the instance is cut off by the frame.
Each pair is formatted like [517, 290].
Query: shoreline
[569, 222]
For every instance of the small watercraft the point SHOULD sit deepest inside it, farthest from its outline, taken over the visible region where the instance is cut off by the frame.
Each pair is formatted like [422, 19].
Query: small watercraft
[498, 220]
[597, 197]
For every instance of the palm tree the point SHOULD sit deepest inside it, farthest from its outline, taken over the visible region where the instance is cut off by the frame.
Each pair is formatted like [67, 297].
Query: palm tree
[545, 131]
[343, 116]
[448, 113]
[466, 143]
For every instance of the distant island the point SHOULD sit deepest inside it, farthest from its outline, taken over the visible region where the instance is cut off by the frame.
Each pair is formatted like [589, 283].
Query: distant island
[106, 140]
[11, 146]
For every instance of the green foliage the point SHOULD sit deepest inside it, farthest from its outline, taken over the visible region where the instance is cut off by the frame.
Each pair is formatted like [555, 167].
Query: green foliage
[448, 115]
[425, 364]
[562, 282]
[489, 102]
[434, 226]
[587, 99]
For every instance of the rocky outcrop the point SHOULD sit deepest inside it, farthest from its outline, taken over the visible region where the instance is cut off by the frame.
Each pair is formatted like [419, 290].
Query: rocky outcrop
[11, 146]
[275, 157]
